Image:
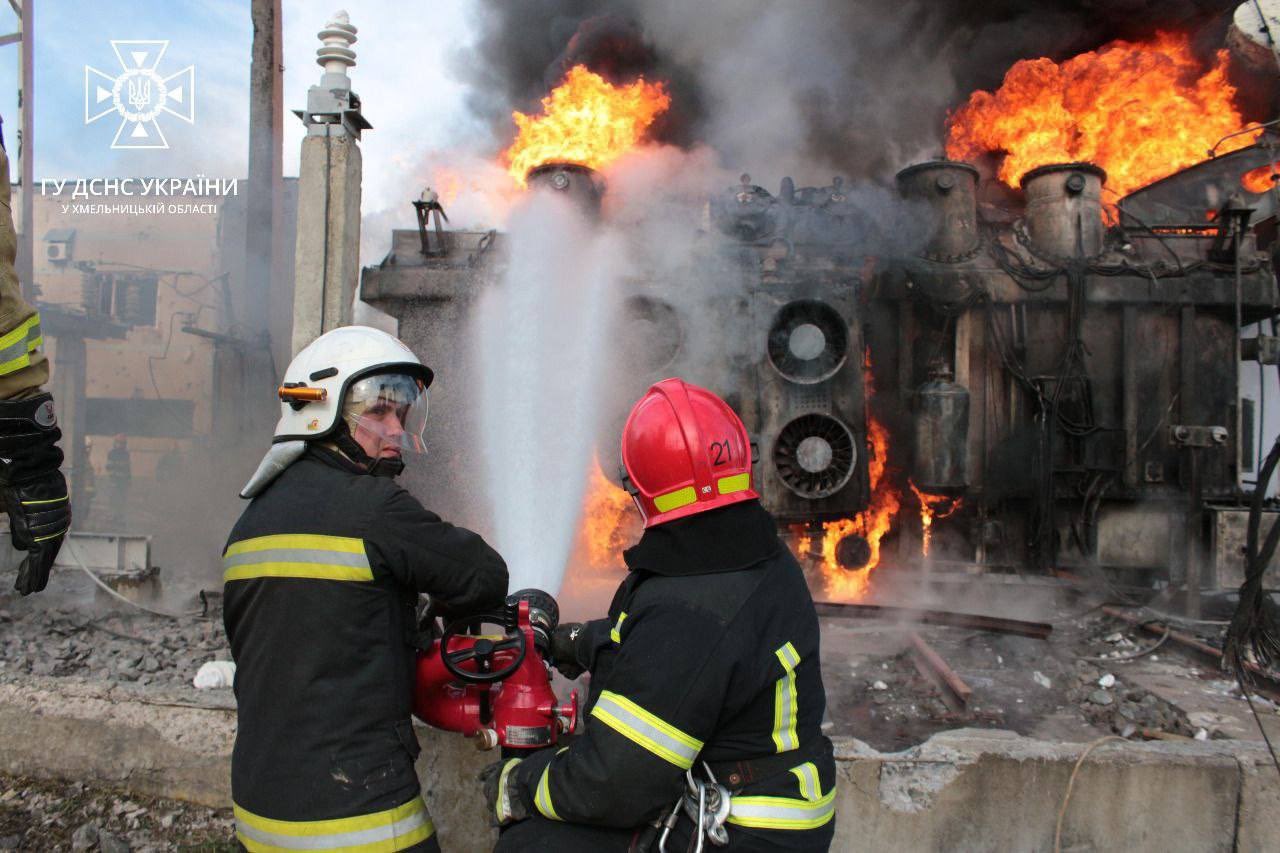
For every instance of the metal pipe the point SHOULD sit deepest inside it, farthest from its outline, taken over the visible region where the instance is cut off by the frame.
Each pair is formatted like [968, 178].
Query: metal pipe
[931, 665]
[997, 624]
[1153, 627]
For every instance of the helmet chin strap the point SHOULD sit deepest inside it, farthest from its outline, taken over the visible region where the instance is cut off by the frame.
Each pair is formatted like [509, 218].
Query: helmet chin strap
[377, 467]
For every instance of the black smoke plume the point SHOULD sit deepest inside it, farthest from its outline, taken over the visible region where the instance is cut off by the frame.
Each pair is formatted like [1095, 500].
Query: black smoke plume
[813, 88]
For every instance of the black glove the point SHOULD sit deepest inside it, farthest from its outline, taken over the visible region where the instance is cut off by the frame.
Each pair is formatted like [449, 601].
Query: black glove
[33, 489]
[564, 649]
[504, 801]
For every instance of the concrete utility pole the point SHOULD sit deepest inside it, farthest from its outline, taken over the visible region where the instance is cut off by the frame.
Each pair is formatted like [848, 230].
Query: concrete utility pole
[26, 139]
[264, 214]
[327, 258]
[265, 306]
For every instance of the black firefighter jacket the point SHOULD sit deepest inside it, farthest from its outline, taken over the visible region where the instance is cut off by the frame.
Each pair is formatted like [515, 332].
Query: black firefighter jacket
[710, 653]
[321, 579]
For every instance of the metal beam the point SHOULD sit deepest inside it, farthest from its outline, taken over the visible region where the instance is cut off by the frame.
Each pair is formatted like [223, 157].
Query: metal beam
[955, 693]
[1039, 630]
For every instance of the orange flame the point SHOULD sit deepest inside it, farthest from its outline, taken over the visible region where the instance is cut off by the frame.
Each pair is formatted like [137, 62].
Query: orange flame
[930, 511]
[1141, 111]
[448, 184]
[585, 120]
[872, 524]
[1261, 179]
[609, 521]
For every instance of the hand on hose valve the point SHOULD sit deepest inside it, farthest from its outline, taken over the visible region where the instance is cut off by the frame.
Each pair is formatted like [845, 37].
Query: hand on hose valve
[33, 489]
[504, 805]
[564, 649]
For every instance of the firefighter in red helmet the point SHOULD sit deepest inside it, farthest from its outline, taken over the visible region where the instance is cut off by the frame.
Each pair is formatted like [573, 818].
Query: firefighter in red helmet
[706, 695]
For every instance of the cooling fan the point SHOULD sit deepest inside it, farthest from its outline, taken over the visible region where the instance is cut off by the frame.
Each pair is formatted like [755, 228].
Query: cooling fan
[815, 455]
[808, 341]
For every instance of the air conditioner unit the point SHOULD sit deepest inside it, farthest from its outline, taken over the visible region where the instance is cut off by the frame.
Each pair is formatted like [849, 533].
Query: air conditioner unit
[58, 243]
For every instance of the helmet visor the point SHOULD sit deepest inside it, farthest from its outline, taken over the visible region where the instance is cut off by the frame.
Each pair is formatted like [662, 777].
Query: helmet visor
[388, 410]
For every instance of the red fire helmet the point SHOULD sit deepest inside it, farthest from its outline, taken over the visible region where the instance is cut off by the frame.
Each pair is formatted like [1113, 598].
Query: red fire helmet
[684, 451]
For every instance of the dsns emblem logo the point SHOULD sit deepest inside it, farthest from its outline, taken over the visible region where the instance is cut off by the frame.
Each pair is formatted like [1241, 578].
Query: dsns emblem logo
[139, 94]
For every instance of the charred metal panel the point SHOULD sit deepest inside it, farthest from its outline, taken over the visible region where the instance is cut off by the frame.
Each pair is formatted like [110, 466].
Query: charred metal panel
[1064, 209]
[812, 432]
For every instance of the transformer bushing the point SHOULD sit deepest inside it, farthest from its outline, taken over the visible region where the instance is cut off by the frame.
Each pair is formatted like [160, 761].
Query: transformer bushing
[332, 108]
[581, 185]
[948, 190]
[1064, 209]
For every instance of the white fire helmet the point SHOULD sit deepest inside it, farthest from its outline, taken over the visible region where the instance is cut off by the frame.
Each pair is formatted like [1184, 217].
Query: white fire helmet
[352, 371]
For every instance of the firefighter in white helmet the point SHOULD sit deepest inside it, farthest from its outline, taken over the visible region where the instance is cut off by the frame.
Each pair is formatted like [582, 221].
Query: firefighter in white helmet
[322, 573]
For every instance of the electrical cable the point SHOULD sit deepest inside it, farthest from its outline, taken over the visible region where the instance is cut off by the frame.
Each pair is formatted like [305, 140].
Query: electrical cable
[1071, 782]
[1135, 655]
[1248, 697]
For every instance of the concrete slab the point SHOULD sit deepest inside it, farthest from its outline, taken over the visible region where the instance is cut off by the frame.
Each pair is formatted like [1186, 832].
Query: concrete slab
[982, 790]
[95, 732]
[966, 789]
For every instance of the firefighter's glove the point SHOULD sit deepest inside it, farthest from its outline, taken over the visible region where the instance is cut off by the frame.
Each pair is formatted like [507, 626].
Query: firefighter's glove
[564, 649]
[505, 803]
[33, 489]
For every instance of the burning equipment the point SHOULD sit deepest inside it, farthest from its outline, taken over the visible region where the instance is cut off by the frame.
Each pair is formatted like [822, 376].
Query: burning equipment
[496, 689]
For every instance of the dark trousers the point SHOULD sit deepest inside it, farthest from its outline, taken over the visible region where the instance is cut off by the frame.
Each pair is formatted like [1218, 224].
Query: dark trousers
[539, 835]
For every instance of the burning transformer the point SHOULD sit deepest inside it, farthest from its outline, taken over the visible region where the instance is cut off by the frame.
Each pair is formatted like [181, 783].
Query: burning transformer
[1093, 421]
[1069, 385]
[1041, 377]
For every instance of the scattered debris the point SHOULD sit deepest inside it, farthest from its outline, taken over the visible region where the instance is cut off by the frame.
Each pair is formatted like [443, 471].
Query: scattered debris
[130, 647]
[40, 816]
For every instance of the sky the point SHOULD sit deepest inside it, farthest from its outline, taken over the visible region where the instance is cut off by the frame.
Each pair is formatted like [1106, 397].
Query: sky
[410, 98]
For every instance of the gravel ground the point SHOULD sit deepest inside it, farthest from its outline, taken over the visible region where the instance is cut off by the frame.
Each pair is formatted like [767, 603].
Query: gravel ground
[64, 816]
[123, 647]
[1076, 679]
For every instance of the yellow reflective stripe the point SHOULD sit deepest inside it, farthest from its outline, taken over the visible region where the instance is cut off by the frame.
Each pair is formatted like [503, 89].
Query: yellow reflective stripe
[341, 544]
[502, 788]
[736, 483]
[785, 738]
[782, 812]
[297, 555]
[615, 633]
[20, 331]
[52, 535]
[313, 571]
[17, 345]
[676, 499]
[807, 775]
[542, 798]
[648, 730]
[15, 364]
[380, 832]
[50, 501]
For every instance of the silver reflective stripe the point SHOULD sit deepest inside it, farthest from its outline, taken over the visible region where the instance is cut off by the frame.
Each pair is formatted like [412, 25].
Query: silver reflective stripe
[789, 657]
[646, 729]
[337, 840]
[20, 347]
[785, 738]
[296, 555]
[807, 775]
[782, 812]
